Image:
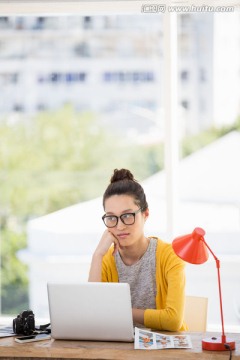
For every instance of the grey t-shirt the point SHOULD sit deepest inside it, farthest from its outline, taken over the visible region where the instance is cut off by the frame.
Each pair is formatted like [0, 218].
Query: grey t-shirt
[141, 277]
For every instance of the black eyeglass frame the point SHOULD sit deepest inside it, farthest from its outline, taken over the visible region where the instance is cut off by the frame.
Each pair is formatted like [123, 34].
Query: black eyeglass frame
[121, 217]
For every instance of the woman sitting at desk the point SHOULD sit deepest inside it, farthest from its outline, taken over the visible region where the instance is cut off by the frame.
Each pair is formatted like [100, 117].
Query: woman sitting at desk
[124, 254]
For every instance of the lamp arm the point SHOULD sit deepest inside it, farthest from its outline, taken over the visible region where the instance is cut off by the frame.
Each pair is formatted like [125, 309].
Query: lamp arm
[215, 258]
[219, 288]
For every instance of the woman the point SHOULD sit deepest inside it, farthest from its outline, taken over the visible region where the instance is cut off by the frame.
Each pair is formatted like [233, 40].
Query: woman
[124, 254]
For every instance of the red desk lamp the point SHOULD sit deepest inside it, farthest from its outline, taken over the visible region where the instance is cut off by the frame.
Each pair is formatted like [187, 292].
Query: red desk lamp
[193, 249]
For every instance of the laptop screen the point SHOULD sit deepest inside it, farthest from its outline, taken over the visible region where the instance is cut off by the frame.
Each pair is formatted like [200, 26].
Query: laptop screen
[91, 311]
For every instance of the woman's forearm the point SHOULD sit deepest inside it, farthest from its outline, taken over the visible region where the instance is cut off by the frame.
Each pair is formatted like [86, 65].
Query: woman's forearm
[95, 273]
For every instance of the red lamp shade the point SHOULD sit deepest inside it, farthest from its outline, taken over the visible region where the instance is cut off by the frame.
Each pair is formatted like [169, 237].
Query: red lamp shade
[191, 247]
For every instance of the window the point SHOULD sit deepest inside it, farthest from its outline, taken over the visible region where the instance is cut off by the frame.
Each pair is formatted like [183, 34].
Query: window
[135, 114]
[202, 75]
[184, 75]
[185, 104]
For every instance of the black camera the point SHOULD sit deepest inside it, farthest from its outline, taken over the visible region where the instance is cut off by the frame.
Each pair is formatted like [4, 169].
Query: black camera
[24, 323]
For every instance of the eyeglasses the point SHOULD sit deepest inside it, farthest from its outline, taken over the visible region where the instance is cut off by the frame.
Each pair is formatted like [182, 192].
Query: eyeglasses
[112, 220]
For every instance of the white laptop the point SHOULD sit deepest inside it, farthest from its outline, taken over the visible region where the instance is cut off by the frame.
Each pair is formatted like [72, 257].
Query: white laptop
[91, 311]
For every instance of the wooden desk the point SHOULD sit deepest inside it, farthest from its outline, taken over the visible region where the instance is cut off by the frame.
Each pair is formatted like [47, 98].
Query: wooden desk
[60, 349]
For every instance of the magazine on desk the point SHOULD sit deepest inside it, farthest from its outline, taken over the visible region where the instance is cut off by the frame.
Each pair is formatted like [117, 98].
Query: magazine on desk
[148, 340]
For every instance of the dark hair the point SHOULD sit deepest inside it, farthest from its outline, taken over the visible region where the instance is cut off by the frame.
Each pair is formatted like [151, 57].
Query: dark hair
[123, 183]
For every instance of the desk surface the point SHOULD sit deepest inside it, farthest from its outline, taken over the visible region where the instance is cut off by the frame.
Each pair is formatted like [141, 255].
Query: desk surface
[60, 349]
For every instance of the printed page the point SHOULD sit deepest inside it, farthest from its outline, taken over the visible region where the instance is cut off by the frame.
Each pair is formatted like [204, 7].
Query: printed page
[148, 340]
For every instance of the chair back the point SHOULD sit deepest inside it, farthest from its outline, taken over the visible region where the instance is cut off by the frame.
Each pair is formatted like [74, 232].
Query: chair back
[195, 314]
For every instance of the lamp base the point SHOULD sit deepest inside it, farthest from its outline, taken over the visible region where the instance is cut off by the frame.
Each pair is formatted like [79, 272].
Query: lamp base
[216, 344]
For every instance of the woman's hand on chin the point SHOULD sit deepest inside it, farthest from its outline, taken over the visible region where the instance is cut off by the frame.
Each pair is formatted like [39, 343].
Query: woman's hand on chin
[106, 241]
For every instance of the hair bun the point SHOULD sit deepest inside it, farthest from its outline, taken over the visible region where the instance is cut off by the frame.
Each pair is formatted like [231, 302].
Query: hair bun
[122, 174]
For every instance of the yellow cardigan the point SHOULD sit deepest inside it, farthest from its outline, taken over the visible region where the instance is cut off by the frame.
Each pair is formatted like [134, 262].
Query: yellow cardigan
[170, 284]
